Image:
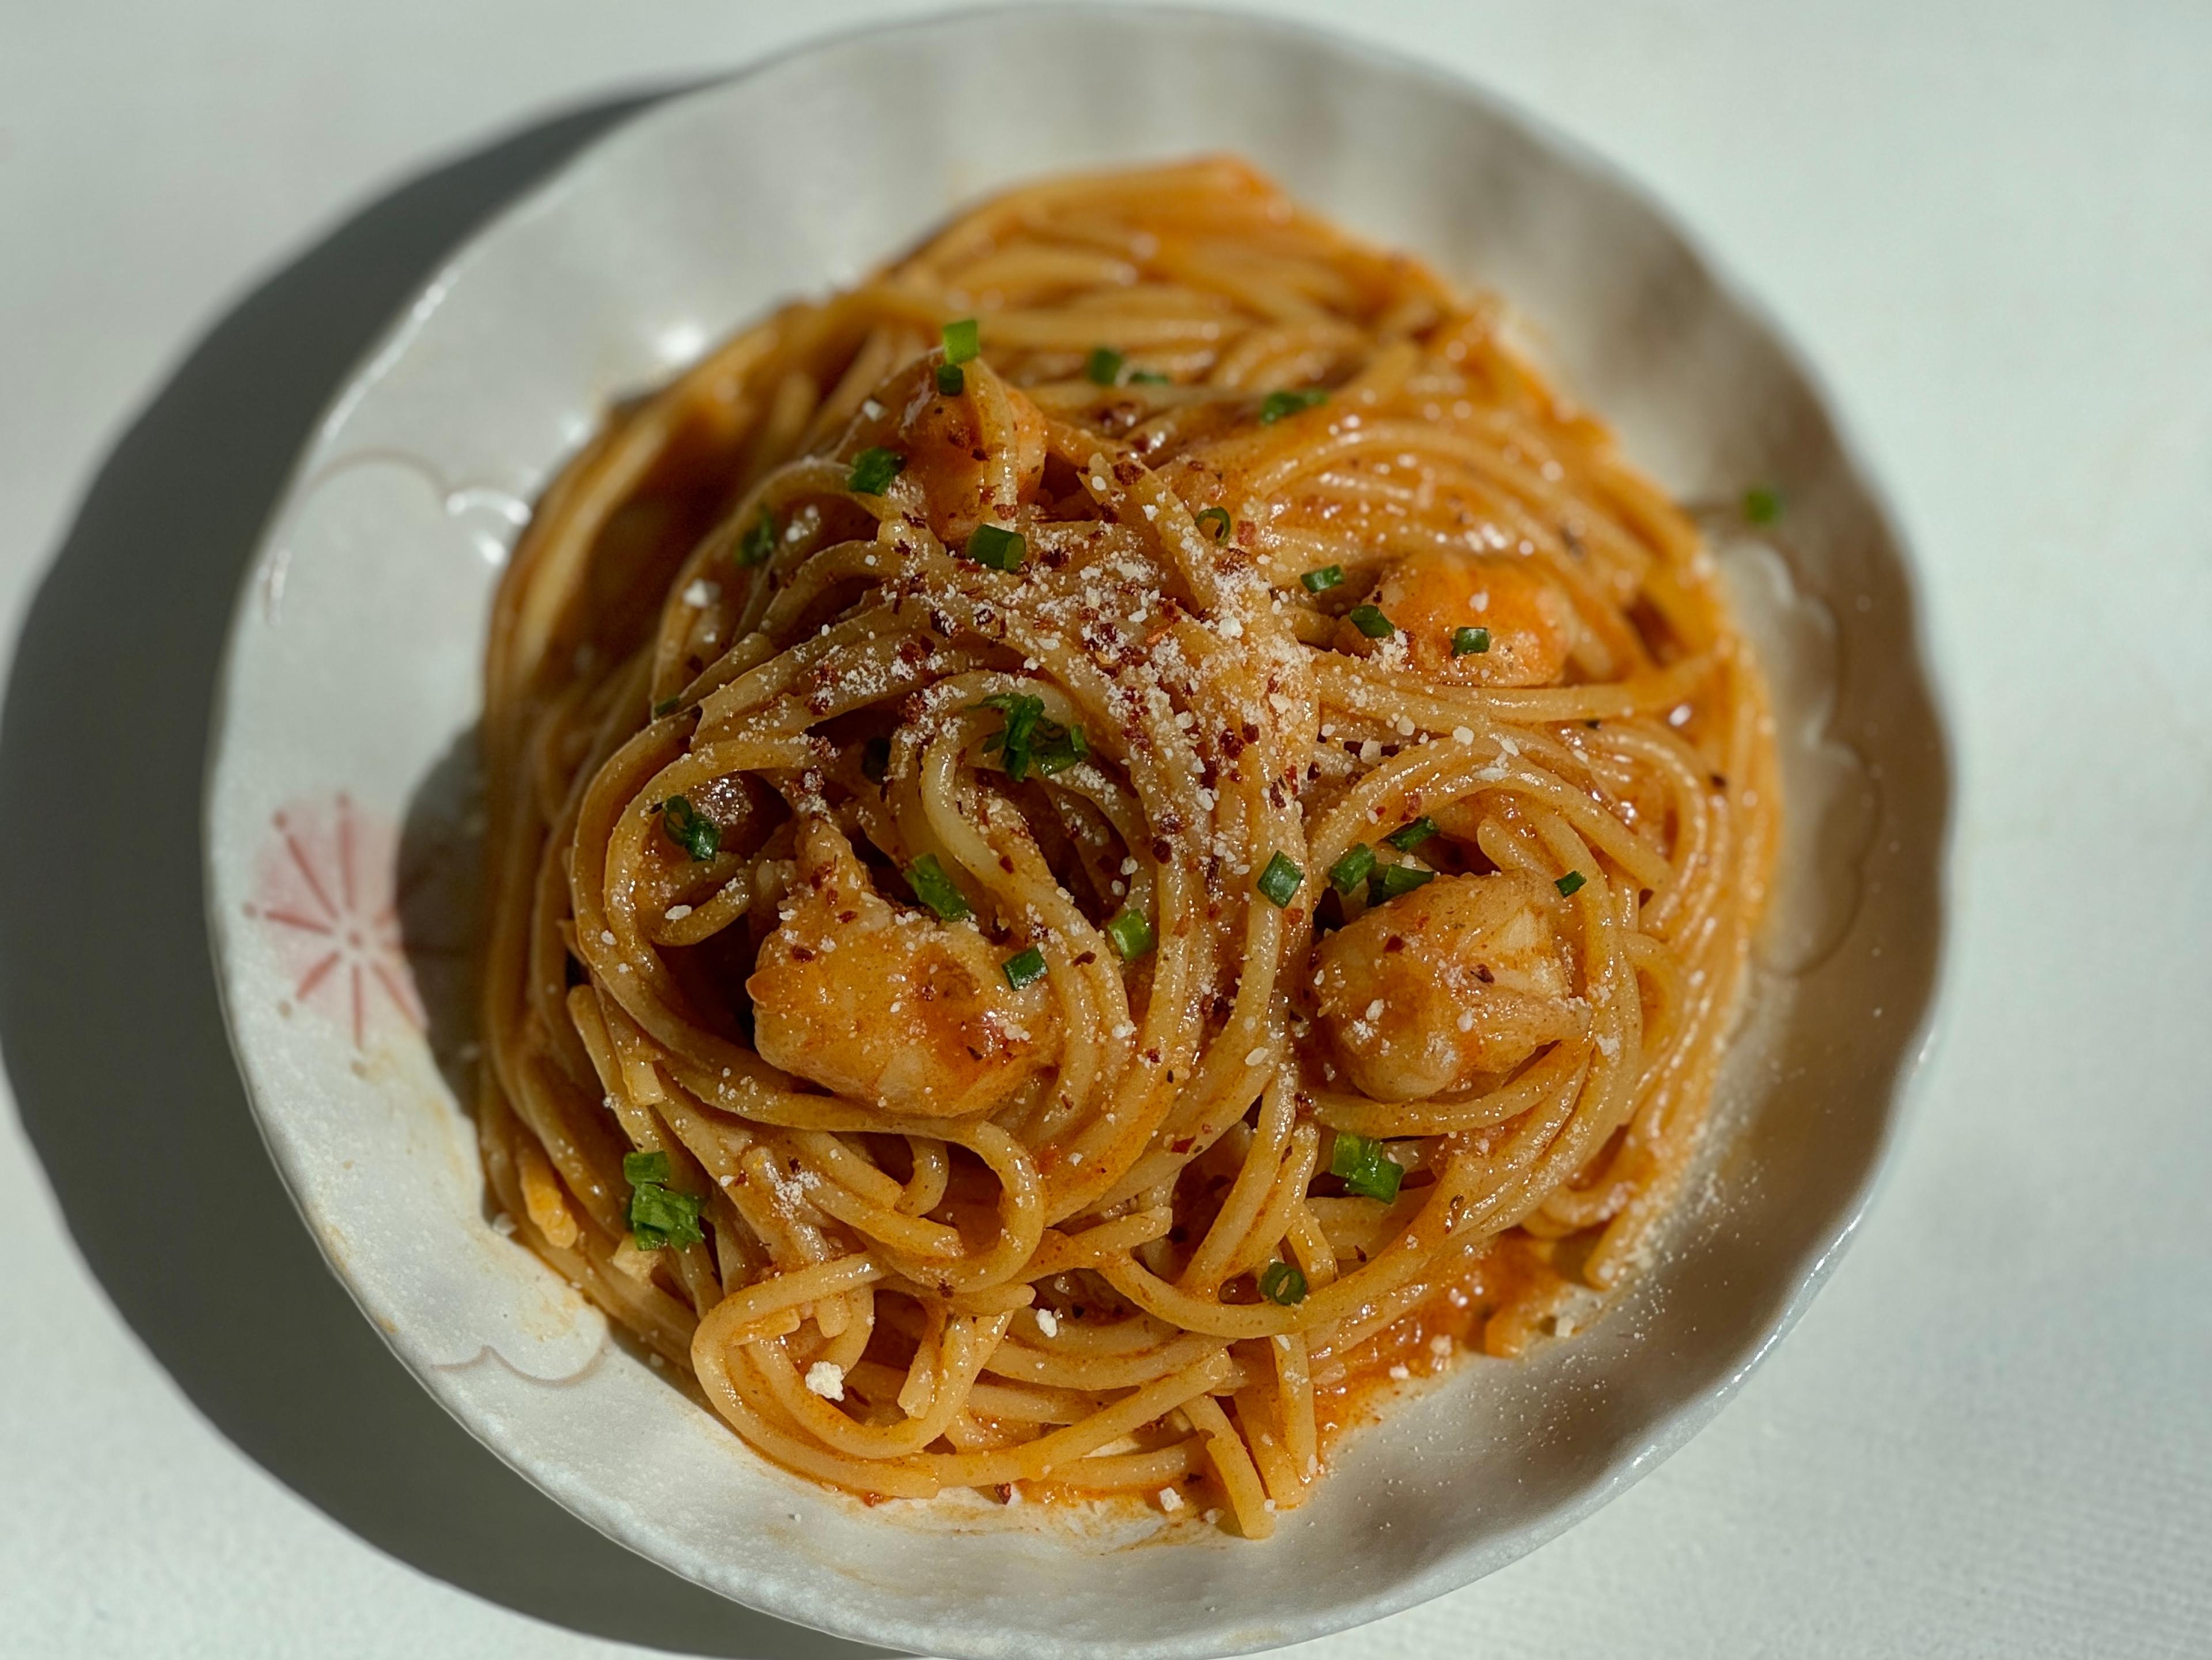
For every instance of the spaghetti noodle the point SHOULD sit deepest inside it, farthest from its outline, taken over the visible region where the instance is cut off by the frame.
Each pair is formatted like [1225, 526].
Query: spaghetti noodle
[1097, 840]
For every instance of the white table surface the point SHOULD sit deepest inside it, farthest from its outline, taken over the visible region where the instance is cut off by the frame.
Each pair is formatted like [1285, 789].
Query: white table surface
[1990, 226]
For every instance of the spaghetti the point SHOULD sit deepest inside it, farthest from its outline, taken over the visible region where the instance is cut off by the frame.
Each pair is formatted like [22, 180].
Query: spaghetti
[1096, 841]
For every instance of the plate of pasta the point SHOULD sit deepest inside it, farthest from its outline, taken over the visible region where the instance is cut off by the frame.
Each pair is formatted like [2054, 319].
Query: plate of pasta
[1128, 865]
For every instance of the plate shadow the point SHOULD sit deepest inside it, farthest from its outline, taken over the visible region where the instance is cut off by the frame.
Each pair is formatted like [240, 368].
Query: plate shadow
[109, 1021]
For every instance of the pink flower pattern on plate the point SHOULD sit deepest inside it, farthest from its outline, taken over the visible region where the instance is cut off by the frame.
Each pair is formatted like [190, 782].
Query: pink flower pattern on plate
[327, 898]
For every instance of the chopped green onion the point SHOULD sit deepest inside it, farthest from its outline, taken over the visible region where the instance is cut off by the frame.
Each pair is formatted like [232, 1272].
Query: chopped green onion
[962, 340]
[1412, 835]
[952, 379]
[1571, 883]
[997, 548]
[1104, 368]
[1392, 881]
[1370, 621]
[1349, 872]
[658, 1215]
[1280, 880]
[1365, 1168]
[1029, 740]
[876, 760]
[1131, 935]
[873, 470]
[667, 706]
[1322, 580]
[936, 890]
[1214, 521]
[755, 546]
[1283, 1283]
[1149, 378]
[1024, 968]
[662, 1216]
[1466, 642]
[1012, 741]
[1762, 504]
[690, 828]
[1281, 403]
[1062, 748]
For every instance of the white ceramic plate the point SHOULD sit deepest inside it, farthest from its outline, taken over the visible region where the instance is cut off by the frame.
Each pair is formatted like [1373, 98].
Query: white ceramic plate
[337, 817]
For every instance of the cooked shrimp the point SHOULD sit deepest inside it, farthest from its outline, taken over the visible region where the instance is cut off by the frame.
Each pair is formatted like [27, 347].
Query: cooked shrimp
[1530, 625]
[1425, 994]
[889, 1005]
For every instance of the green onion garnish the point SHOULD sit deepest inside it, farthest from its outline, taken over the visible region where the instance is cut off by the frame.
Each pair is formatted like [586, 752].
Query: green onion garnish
[1028, 740]
[1392, 881]
[952, 379]
[1322, 580]
[1365, 1168]
[1762, 504]
[1570, 883]
[1149, 378]
[873, 470]
[1280, 880]
[659, 1216]
[1024, 968]
[962, 340]
[1283, 1283]
[757, 543]
[1281, 403]
[1214, 521]
[1467, 641]
[690, 828]
[1370, 621]
[936, 890]
[1349, 872]
[1413, 835]
[667, 706]
[1131, 933]
[997, 548]
[1104, 368]
[1059, 747]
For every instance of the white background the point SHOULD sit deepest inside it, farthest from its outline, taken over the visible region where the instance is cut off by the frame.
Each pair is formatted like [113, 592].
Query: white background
[1990, 227]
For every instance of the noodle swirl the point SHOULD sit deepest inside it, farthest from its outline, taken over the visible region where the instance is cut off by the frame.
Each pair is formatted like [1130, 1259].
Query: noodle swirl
[1059, 911]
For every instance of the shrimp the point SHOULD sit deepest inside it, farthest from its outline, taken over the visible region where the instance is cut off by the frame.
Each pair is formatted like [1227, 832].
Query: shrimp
[943, 443]
[887, 1005]
[1464, 977]
[1527, 625]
